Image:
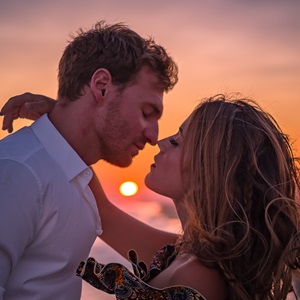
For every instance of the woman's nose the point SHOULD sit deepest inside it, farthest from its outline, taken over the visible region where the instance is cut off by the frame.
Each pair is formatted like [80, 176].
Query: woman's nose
[162, 144]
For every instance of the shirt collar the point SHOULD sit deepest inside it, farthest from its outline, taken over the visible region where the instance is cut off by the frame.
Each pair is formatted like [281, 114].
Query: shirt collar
[58, 148]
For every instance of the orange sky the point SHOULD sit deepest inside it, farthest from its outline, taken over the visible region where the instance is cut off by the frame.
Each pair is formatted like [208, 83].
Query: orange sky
[252, 47]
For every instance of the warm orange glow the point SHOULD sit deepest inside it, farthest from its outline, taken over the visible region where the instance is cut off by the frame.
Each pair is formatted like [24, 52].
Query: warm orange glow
[230, 54]
[128, 188]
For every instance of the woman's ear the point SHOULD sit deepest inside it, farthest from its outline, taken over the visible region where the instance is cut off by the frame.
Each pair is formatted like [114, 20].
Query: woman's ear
[100, 80]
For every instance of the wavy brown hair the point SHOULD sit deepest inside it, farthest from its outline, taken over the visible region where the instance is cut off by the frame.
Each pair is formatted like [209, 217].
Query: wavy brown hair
[241, 187]
[116, 48]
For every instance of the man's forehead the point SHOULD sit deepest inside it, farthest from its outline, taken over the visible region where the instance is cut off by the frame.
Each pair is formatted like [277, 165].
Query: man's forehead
[154, 96]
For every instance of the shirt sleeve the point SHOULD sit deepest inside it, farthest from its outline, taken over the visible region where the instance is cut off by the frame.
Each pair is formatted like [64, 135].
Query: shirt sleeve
[19, 214]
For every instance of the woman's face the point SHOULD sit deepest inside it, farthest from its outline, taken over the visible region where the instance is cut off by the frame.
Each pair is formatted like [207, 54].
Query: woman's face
[165, 175]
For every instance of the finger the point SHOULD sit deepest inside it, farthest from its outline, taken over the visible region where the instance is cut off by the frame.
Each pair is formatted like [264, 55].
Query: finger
[15, 102]
[40, 107]
[26, 112]
[8, 120]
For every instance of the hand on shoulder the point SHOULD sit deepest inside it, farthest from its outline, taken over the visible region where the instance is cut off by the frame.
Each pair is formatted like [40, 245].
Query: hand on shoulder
[28, 106]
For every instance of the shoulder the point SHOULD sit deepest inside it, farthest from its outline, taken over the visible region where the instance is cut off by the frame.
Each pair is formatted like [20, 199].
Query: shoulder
[20, 145]
[19, 188]
[207, 281]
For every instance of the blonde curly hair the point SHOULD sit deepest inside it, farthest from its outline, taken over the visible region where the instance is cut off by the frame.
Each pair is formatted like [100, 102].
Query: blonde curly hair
[241, 191]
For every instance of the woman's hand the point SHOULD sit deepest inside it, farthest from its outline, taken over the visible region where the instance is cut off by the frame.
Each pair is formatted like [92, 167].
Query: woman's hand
[27, 106]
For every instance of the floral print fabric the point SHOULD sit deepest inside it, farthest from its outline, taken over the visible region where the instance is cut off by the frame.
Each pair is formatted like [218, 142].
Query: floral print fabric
[116, 279]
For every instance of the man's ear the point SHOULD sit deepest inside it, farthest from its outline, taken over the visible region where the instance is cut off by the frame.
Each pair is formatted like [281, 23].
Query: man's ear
[100, 80]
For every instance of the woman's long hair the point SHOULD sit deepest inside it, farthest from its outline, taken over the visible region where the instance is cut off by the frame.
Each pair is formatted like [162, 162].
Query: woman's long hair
[242, 181]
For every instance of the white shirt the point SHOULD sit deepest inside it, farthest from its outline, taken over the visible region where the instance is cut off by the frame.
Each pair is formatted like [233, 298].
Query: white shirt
[48, 215]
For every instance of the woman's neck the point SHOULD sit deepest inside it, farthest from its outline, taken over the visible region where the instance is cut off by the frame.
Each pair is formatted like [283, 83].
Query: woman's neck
[182, 213]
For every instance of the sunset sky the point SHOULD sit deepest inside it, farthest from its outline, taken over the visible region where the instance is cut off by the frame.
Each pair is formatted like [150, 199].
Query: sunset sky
[251, 47]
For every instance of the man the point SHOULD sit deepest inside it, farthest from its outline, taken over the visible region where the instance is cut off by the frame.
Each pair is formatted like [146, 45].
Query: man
[111, 85]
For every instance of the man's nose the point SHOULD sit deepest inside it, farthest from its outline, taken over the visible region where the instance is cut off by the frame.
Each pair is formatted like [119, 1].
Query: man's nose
[151, 135]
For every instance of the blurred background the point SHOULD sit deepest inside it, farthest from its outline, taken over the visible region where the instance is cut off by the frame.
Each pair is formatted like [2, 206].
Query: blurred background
[221, 46]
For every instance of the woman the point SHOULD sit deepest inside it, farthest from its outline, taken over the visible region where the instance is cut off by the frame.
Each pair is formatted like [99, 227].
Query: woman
[233, 179]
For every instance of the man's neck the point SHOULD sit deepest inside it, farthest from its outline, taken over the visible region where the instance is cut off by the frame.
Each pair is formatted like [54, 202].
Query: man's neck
[71, 125]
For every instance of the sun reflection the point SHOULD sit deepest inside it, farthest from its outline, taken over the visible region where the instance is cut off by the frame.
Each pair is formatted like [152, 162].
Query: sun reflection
[128, 188]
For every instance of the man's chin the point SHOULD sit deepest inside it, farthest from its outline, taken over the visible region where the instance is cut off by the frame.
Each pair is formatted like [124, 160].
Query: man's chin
[121, 163]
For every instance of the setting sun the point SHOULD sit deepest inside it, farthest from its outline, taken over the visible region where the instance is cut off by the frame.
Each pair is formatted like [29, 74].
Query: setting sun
[128, 188]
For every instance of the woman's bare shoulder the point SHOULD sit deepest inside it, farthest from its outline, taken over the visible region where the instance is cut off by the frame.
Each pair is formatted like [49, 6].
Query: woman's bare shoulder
[209, 282]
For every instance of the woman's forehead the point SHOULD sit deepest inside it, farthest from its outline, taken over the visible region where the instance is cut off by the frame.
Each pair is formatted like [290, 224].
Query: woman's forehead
[184, 124]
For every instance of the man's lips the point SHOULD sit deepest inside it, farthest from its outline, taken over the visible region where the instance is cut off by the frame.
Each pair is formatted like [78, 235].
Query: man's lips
[140, 146]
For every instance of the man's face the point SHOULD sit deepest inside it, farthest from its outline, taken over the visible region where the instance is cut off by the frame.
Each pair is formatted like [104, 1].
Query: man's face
[131, 120]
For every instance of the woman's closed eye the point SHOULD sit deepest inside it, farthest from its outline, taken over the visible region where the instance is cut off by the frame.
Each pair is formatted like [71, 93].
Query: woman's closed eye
[173, 142]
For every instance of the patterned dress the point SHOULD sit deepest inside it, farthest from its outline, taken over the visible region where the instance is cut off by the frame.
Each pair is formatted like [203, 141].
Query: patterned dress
[116, 279]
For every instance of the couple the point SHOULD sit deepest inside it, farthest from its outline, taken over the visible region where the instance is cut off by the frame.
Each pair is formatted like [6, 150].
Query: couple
[229, 170]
